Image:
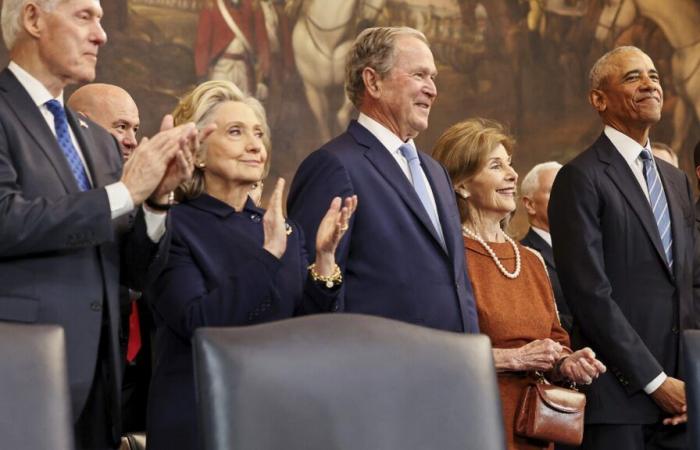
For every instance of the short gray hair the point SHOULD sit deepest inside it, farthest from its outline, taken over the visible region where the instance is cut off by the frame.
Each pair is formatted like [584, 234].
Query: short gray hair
[11, 17]
[531, 182]
[601, 69]
[198, 106]
[375, 48]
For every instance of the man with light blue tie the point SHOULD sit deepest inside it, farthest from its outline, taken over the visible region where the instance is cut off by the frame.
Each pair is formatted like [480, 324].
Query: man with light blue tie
[403, 257]
[72, 224]
[622, 230]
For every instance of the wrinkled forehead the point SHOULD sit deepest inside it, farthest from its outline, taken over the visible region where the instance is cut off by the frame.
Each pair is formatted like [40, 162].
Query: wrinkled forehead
[631, 60]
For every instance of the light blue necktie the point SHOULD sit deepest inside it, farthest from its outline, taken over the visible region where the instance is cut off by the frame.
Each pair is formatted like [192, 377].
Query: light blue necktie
[419, 184]
[66, 144]
[657, 199]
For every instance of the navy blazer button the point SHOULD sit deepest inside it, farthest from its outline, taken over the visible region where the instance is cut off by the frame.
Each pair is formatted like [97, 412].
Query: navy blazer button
[255, 218]
[96, 306]
[674, 330]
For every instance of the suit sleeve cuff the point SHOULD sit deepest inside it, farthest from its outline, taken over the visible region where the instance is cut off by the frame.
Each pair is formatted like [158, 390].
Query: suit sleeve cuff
[120, 201]
[155, 224]
[655, 383]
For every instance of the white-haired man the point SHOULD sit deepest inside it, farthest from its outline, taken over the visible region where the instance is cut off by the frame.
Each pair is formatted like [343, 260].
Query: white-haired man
[66, 201]
[534, 193]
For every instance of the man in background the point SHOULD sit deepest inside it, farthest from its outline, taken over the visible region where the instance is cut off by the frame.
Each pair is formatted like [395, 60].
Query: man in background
[534, 193]
[114, 109]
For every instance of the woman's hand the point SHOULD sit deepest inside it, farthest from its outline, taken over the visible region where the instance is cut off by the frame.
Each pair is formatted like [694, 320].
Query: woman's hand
[274, 225]
[331, 230]
[581, 366]
[540, 355]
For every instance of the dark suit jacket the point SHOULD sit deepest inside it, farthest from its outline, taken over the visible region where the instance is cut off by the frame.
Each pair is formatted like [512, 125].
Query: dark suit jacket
[393, 263]
[534, 241]
[217, 274]
[627, 305]
[60, 251]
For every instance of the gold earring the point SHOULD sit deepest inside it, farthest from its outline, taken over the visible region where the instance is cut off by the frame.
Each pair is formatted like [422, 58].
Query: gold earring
[201, 165]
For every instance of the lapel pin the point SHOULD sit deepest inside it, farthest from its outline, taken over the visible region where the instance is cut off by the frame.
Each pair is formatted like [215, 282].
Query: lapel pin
[82, 123]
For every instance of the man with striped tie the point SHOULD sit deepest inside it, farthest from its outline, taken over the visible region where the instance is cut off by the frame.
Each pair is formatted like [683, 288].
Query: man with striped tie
[622, 230]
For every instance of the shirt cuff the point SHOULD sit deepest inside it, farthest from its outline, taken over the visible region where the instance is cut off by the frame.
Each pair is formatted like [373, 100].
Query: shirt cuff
[155, 224]
[119, 197]
[655, 383]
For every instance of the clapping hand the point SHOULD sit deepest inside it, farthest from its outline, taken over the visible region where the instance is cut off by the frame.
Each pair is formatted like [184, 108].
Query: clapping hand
[331, 230]
[274, 225]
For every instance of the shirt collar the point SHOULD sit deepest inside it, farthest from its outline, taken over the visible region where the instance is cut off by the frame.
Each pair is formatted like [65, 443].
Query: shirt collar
[628, 147]
[387, 138]
[543, 234]
[37, 91]
[210, 204]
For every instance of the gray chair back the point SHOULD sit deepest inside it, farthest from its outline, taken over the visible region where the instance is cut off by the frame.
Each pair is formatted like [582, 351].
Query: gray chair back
[345, 382]
[35, 411]
[691, 366]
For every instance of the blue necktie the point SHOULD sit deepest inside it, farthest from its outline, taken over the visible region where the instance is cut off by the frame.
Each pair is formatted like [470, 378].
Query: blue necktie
[66, 144]
[419, 184]
[657, 199]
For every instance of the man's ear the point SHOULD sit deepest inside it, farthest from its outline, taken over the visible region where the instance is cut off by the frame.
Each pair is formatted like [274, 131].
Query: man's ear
[32, 19]
[597, 98]
[373, 82]
[529, 206]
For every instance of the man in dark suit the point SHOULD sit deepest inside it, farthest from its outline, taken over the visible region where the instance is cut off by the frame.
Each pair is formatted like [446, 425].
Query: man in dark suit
[622, 228]
[403, 257]
[66, 203]
[115, 110]
[534, 193]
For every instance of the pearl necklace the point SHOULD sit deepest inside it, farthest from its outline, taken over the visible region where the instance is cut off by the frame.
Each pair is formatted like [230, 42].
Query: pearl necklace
[469, 233]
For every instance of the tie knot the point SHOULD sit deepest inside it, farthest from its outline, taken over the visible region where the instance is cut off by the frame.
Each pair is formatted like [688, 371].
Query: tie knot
[54, 106]
[645, 155]
[408, 152]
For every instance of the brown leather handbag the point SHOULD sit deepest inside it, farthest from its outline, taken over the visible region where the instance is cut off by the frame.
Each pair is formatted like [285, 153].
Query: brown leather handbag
[551, 413]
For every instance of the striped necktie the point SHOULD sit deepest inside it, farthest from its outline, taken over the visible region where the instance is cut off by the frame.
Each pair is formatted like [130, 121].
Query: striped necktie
[659, 205]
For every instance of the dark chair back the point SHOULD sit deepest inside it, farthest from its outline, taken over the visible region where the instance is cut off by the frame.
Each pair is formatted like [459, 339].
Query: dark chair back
[345, 382]
[35, 411]
[691, 366]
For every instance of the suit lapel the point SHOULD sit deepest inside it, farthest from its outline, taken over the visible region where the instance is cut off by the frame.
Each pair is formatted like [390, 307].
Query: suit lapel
[31, 119]
[621, 175]
[673, 195]
[94, 155]
[541, 246]
[386, 165]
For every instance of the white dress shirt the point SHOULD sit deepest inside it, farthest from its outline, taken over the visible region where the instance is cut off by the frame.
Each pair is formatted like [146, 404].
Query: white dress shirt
[118, 195]
[543, 234]
[391, 143]
[630, 150]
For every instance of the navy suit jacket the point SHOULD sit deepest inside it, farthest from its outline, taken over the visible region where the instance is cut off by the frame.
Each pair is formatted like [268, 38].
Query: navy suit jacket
[628, 306]
[535, 241]
[392, 260]
[217, 274]
[60, 250]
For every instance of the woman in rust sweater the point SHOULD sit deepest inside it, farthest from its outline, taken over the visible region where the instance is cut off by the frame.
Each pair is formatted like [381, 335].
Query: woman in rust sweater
[513, 295]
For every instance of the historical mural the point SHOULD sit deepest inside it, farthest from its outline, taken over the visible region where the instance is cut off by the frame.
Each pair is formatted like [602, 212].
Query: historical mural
[521, 62]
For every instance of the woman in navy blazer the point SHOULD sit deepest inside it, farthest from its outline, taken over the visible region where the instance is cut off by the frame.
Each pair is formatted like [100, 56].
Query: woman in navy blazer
[230, 262]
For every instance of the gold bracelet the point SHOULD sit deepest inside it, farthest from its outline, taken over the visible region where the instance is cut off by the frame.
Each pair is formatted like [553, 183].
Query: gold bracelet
[334, 279]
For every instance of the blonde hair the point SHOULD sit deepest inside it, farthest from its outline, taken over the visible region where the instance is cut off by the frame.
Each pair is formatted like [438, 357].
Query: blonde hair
[198, 106]
[464, 149]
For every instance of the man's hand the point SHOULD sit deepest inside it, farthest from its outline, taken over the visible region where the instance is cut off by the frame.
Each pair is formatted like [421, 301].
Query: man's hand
[147, 166]
[670, 397]
[181, 166]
